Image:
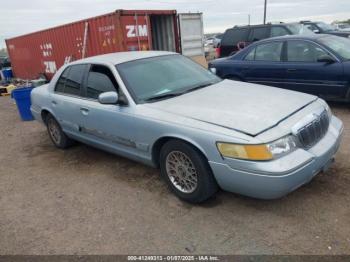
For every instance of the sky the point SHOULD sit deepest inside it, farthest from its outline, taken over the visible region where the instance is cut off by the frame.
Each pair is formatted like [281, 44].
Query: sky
[20, 17]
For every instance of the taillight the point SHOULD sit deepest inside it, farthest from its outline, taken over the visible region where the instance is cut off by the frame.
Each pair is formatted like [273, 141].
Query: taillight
[218, 51]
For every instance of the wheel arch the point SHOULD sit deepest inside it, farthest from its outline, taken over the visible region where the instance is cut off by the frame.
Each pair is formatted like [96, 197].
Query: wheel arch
[44, 113]
[158, 144]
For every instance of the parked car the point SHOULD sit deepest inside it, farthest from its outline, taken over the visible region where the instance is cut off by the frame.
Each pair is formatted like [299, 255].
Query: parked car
[164, 110]
[318, 64]
[214, 40]
[217, 40]
[342, 26]
[237, 38]
[323, 28]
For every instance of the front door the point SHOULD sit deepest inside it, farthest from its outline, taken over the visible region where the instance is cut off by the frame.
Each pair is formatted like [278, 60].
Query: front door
[305, 74]
[191, 32]
[110, 126]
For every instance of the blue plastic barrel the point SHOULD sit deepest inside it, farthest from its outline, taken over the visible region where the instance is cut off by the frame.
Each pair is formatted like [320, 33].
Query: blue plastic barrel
[22, 98]
[7, 73]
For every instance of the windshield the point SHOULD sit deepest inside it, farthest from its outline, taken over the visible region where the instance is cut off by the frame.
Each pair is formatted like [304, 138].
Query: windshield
[325, 27]
[163, 77]
[339, 45]
[299, 29]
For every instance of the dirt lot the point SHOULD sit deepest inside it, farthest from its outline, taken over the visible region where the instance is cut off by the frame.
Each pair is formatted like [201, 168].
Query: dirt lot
[85, 201]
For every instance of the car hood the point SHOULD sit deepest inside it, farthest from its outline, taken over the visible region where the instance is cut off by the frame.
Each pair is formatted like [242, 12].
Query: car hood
[244, 107]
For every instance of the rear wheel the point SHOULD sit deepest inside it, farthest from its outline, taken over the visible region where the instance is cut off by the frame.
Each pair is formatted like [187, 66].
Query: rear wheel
[187, 172]
[57, 136]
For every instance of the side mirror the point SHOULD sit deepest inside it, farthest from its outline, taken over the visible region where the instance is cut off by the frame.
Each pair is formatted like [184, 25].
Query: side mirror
[108, 98]
[316, 31]
[325, 59]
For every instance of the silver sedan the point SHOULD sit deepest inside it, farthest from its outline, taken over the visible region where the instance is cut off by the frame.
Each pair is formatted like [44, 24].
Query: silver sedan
[204, 133]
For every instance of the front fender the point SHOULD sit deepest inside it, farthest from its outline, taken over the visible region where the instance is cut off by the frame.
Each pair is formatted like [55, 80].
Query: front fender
[187, 139]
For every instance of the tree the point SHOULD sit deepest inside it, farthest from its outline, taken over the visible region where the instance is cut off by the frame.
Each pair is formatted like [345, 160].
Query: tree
[343, 22]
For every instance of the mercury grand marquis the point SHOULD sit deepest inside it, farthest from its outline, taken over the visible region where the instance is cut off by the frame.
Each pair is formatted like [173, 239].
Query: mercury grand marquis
[204, 133]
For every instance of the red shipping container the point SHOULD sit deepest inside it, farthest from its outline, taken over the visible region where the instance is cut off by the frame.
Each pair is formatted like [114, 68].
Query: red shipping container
[44, 52]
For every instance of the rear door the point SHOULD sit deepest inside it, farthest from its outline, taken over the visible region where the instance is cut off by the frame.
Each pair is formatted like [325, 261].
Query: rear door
[262, 64]
[67, 97]
[305, 74]
[191, 34]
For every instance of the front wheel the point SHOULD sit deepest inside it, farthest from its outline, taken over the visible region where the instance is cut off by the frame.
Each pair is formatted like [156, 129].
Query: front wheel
[187, 172]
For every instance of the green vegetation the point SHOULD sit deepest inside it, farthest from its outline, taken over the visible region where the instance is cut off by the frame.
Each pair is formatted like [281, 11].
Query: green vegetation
[343, 22]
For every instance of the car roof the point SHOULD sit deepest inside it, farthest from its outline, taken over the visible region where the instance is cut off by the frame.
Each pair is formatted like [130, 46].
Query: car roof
[262, 25]
[122, 57]
[313, 37]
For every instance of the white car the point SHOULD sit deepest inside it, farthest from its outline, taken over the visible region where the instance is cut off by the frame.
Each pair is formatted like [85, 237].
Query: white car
[204, 133]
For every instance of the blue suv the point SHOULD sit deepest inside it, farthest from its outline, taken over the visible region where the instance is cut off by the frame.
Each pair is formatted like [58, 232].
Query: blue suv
[314, 64]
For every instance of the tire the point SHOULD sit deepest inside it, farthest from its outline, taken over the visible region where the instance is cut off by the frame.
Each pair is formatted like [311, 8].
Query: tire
[57, 136]
[187, 172]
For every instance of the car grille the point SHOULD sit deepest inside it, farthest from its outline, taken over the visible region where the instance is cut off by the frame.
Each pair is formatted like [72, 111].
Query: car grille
[313, 132]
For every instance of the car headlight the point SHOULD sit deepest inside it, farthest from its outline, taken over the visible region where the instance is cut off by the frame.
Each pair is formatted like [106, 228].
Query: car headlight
[213, 70]
[261, 152]
[328, 109]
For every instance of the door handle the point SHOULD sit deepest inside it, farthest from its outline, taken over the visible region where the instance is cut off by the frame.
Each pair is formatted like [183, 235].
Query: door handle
[291, 70]
[84, 111]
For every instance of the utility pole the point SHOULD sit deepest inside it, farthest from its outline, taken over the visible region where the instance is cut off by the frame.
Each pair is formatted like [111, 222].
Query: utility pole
[248, 19]
[265, 11]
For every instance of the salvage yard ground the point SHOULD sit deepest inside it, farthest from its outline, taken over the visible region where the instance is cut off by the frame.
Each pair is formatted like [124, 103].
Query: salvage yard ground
[86, 201]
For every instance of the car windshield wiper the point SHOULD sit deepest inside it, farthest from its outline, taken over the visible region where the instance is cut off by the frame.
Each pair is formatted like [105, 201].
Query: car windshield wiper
[163, 96]
[170, 95]
[199, 87]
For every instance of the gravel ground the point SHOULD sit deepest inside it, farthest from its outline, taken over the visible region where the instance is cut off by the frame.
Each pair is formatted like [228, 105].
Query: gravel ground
[85, 201]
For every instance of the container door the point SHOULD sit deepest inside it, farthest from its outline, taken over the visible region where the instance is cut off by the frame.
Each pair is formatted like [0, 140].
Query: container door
[191, 34]
[136, 32]
[163, 32]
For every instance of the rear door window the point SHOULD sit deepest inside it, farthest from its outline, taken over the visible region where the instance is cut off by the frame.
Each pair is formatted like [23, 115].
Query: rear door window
[62, 81]
[71, 79]
[259, 33]
[234, 36]
[74, 80]
[100, 80]
[251, 55]
[266, 52]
